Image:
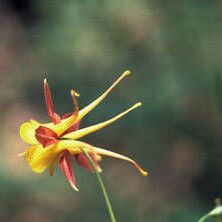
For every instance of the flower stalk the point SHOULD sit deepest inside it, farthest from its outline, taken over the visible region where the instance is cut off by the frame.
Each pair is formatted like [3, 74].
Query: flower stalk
[102, 186]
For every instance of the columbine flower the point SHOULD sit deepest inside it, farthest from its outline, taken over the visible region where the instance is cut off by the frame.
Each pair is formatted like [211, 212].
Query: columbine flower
[57, 141]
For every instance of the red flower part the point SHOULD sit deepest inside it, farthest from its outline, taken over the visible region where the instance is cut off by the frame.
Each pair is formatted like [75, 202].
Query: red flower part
[67, 115]
[55, 118]
[65, 164]
[73, 128]
[45, 136]
[84, 162]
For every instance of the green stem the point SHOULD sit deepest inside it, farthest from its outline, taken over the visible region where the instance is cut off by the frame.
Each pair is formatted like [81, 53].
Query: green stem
[105, 195]
[202, 219]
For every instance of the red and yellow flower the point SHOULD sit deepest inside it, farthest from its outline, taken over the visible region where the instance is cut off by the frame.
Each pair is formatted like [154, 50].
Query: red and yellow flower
[58, 140]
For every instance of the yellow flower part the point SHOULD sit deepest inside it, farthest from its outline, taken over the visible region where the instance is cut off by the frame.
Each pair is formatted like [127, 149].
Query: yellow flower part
[58, 140]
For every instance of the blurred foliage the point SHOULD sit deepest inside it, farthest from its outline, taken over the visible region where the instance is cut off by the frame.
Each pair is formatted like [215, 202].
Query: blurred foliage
[174, 50]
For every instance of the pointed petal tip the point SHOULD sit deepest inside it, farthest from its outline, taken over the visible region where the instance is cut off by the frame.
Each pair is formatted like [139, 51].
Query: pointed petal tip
[45, 81]
[74, 187]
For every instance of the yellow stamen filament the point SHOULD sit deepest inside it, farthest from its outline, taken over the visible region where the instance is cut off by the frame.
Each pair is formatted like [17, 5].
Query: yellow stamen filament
[92, 105]
[85, 131]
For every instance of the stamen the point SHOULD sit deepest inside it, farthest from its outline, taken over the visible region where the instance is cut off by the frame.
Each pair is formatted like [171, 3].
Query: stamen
[92, 105]
[74, 94]
[85, 131]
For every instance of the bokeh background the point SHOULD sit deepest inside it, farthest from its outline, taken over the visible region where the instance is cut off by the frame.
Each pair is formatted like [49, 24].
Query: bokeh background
[174, 50]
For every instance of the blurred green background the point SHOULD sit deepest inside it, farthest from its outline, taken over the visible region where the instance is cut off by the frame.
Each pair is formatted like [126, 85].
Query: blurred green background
[174, 50]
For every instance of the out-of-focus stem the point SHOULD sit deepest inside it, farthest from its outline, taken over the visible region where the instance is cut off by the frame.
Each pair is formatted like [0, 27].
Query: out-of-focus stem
[203, 219]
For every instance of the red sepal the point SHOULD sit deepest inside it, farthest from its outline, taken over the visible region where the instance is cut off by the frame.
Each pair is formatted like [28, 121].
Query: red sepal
[65, 164]
[55, 118]
[66, 115]
[83, 162]
[45, 136]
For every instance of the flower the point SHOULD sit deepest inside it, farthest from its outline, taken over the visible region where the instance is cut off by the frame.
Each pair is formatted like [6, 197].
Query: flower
[58, 140]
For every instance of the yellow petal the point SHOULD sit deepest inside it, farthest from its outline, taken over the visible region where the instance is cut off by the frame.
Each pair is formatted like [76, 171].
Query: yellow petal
[27, 131]
[85, 131]
[39, 158]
